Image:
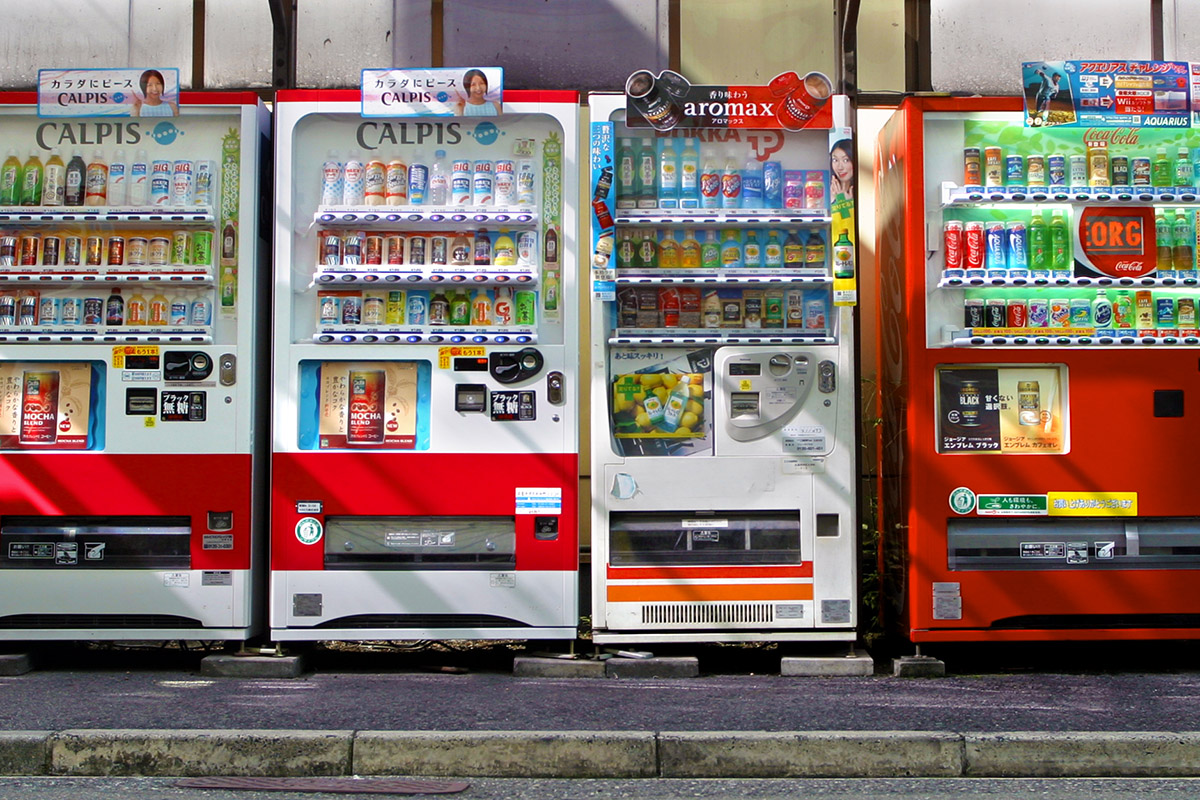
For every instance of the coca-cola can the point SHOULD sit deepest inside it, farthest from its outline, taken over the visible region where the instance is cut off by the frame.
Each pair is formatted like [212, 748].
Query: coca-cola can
[1018, 313]
[8, 251]
[995, 313]
[973, 248]
[953, 236]
[973, 312]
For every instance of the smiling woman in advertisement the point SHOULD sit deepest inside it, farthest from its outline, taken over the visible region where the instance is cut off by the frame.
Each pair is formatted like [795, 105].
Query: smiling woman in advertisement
[151, 103]
[476, 104]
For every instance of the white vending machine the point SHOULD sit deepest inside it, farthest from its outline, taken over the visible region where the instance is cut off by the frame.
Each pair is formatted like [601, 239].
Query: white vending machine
[723, 377]
[425, 463]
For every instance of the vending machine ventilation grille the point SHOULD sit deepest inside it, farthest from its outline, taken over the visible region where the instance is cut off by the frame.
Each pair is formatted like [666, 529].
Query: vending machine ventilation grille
[706, 613]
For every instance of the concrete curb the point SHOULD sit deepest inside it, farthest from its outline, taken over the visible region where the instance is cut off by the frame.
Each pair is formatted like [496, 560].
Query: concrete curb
[601, 754]
[507, 754]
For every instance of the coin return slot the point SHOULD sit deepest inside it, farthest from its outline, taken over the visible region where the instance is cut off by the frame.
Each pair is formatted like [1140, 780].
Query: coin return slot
[744, 405]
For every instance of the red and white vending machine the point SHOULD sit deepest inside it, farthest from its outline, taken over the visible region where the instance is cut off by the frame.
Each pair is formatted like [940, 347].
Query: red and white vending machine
[129, 361]
[425, 447]
[723, 420]
[1038, 293]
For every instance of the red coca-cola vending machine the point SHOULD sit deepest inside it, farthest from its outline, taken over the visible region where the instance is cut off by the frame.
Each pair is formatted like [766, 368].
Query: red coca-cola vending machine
[129, 361]
[1038, 292]
[425, 432]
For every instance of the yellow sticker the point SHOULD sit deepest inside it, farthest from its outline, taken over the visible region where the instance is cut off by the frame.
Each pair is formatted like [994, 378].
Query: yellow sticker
[120, 352]
[1093, 504]
[745, 385]
[149, 422]
[447, 354]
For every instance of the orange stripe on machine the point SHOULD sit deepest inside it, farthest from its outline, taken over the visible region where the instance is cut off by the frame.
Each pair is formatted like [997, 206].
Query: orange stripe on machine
[709, 592]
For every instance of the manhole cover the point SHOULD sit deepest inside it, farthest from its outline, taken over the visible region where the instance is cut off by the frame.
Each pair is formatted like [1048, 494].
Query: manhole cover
[338, 785]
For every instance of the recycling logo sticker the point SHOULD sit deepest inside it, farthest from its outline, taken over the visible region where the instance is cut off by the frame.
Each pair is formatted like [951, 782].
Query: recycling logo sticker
[962, 500]
[309, 530]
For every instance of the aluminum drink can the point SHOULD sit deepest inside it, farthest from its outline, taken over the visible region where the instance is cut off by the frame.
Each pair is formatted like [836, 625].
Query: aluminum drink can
[204, 183]
[972, 173]
[72, 310]
[51, 249]
[183, 191]
[329, 309]
[179, 312]
[1060, 312]
[506, 183]
[460, 182]
[27, 309]
[1014, 171]
[1018, 313]
[993, 167]
[160, 183]
[1164, 312]
[1039, 313]
[995, 313]
[527, 248]
[417, 247]
[72, 251]
[439, 247]
[973, 249]
[1120, 170]
[373, 249]
[394, 310]
[525, 183]
[8, 309]
[1139, 171]
[95, 251]
[202, 248]
[1056, 170]
[1035, 170]
[8, 251]
[351, 310]
[137, 250]
[1016, 246]
[395, 248]
[526, 307]
[30, 245]
[973, 316]
[373, 306]
[952, 234]
[93, 310]
[1081, 313]
[352, 248]
[331, 249]
[996, 257]
[116, 250]
[48, 311]
[418, 308]
[181, 248]
[482, 181]
[364, 407]
[159, 250]
[1078, 175]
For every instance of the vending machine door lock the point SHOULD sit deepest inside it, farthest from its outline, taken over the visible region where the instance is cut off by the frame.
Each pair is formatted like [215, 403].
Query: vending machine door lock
[554, 388]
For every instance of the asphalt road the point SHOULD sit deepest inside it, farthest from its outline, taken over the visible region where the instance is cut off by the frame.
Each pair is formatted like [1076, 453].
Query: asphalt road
[509, 789]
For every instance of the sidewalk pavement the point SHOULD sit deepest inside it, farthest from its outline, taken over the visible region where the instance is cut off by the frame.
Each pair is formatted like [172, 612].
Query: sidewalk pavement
[90, 713]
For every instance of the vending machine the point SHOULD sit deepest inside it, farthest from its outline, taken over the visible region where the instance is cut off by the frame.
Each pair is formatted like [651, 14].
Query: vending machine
[131, 436]
[425, 469]
[723, 377]
[1038, 293]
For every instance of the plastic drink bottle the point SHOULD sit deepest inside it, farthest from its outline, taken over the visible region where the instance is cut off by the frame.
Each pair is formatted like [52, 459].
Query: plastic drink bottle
[752, 251]
[418, 179]
[1182, 254]
[668, 251]
[752, 182]
[95, 182]
[395, 191]
[1164, 240]
[626, 175]
[689, 175]
[481, 308]
[773, 251]
[1060, 256]
[1160, 168]
[793, 250]
[439, 182]
[646, 255]
[118, 186]
[647, 173]
[502, 308]
[374, 182]
[139, 181]
[505, 251]
[710, 251]
[353, 181]
[710, 181]
[1183, 169]
[32, 178]
[54, 182]
[690, 255]
[76, 180]
[668, 176]
[1036, 233]
[10, 179]
[731, 250]
[731, 183]
[135, 309]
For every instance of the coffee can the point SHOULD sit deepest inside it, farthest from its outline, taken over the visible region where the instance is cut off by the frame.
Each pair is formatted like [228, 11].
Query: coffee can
[395, 248]
[116, 250]
[8, 251]
[72, 251]
[159, 250]
[373, 249]
[30, 245]
[51, 249]
[137, 250]
[95, 251]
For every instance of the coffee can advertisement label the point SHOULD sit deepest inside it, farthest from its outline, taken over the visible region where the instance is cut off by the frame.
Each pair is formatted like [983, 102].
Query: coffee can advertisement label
[665, 101]
[45, 405]
[367, 404]
[1003, 410]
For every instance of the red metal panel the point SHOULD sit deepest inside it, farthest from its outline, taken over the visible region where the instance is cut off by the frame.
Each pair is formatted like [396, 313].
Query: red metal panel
[394, 484]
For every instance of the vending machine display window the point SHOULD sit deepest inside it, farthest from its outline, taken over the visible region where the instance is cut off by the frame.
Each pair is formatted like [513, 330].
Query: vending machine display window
[1015, 410]
[357, 404]
[47, 405]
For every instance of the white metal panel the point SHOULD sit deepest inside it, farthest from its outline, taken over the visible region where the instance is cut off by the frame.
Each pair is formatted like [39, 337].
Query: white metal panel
[580, 45]
[977, 46]
[160, 35]
[237, 44]
[335, 42]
